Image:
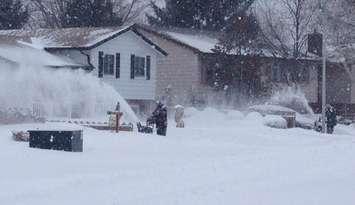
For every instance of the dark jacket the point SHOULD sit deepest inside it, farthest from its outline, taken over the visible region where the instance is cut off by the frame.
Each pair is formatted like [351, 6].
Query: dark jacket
[159, 117]
[331, 117]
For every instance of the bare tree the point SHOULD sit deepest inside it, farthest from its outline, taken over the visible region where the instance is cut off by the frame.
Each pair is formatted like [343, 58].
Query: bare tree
[340, 28]
[52, 12]
[285, 25]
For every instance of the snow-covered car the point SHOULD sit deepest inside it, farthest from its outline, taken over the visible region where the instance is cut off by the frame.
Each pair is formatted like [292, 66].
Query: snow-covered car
[293, 118]
[272, 110]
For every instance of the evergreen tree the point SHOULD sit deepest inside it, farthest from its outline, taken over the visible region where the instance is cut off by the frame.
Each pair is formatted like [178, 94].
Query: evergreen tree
[178, 13]
[87, 13]
[199, 14]
[240, 36]
[13, 14]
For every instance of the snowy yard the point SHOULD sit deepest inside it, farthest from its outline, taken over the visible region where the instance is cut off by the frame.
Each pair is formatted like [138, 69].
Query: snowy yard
[226, 160]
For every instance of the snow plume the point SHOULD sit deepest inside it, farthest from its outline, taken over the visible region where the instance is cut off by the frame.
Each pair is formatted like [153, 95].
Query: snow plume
[57, 92]
[292, 97]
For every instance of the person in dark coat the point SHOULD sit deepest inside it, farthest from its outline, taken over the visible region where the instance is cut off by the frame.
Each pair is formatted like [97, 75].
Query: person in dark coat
[331, 118]
[160, 119]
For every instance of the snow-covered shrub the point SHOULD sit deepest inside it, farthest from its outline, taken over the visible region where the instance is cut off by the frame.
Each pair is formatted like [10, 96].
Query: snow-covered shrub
[254, 116]
[275, 121]
[234, 115]
[206, 117]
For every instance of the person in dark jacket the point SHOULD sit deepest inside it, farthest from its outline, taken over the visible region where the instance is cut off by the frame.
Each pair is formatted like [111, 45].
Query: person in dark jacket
[160, 119]
[331, 118]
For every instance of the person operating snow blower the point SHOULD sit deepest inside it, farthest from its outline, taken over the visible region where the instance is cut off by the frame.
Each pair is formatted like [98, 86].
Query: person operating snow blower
[160, 119]
[331, 118]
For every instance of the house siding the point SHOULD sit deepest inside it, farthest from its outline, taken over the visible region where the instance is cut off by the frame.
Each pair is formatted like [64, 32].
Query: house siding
[260, 71]
[179, 72]
[126, 44]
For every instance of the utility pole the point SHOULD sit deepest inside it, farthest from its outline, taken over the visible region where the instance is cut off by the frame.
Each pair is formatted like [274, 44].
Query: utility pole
[324, 67]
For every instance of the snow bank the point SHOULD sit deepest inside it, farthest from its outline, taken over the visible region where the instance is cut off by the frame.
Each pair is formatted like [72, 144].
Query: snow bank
[254, 117]
[206, 117]
[275, 121]
[211, 117]
[234, 115]
[233, 118]
[198, 165]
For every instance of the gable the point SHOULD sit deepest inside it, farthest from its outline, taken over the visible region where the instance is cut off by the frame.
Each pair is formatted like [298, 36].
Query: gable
[126, 43]
[141, 37]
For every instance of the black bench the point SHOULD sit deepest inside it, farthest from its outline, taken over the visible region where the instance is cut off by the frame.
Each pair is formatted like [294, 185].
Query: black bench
[64, 140]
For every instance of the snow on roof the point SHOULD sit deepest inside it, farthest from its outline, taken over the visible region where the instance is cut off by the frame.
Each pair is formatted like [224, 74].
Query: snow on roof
[83, 37]
[203, 43]
[23, 53]
[65, 37]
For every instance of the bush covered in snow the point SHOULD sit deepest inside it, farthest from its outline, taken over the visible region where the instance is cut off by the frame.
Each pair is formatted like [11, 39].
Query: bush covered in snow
[254, 116]
[234, 115]
[275, 121]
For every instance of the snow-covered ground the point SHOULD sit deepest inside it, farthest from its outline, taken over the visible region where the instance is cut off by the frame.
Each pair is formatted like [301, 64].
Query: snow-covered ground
[219, 158]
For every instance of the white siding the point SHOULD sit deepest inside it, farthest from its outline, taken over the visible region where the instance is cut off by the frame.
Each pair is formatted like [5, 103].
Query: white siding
[127, 44]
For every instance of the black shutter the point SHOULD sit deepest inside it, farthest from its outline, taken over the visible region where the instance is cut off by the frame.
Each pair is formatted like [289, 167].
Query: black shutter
[132, 66]
[148, 67]
[118, 65]
[101, 64]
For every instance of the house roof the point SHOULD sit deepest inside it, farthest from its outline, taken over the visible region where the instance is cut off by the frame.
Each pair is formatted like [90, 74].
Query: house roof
[203, 43]
[21, 53]
[197, 41]
[84, 38]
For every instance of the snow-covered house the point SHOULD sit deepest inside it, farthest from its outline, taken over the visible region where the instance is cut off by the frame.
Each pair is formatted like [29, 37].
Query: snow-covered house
[191, 55]
[120, 56]
[181, 73]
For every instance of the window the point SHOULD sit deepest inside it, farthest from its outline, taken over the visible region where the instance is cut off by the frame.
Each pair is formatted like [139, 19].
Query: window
[109, 63]
[286, 72]
[300, 72]
[303, 74]
[276, 72]
[139, 66]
